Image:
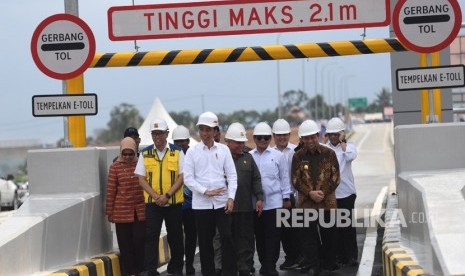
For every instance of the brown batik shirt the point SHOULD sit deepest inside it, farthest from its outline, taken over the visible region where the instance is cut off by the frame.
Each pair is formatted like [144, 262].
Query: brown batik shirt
[315, 171]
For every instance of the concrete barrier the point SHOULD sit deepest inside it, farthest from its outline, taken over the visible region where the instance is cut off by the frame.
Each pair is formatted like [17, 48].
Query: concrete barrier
[62, 225]
[430, 178]
[108, 264]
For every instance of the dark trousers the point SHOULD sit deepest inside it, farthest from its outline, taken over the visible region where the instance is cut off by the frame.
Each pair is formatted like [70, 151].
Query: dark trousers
[131, 240]
[328, 238]
[316, 249]
[268, 238]
[207, 221]
[190, 235]
[311, 244]
[290, 241]
[347, 236]
[244, 240]
[172, 215]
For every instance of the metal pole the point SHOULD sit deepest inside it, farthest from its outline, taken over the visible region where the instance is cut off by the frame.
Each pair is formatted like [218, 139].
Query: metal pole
[316, 89]
[323, 109]
[278, 82]
[71, 7]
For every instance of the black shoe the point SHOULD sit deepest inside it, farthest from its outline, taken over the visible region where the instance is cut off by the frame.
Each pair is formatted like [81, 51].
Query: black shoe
[304, 268]
[313, 272]
[331, 267]
[289, 264]
[218, 272]
[252, 270]
[244, 273]
[190, 270]
[271, 272]
[150, 273]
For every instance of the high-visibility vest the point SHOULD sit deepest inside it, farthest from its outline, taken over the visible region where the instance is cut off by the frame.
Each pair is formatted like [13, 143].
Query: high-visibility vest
[162, 173]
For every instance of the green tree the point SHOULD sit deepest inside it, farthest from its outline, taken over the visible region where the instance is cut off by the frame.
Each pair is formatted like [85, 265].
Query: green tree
[384, 98]
[292, 99]
[184, 118]
[121, 117]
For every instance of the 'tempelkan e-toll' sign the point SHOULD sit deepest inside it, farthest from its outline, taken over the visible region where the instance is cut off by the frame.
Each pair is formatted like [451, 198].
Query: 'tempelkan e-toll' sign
[210, 18]
[64, 105]
[430, 77]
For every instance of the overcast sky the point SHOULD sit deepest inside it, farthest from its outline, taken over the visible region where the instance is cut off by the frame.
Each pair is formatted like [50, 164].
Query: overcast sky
[224, 87]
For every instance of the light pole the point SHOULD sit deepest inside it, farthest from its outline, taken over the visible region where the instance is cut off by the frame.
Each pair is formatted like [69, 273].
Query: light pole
[278, 82]
[316, 89]
[323, 109]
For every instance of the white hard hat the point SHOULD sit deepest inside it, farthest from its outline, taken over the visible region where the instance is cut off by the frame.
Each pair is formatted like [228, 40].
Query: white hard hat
[208, 119]
[335, 125]
[181, 133]
[281, 126]
[308, 127]
[158, 124]
[262, 128]
[236, 132]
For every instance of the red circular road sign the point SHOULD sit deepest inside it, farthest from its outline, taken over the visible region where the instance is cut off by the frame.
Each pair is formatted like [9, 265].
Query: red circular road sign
[63, 46]
[427, 26]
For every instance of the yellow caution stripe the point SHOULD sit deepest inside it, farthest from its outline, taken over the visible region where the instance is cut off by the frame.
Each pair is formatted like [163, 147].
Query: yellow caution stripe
[106, 265]
[240, 54]
[395, 258]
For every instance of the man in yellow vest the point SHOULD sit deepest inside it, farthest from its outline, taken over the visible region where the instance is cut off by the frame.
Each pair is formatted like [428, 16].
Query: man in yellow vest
[160, 171]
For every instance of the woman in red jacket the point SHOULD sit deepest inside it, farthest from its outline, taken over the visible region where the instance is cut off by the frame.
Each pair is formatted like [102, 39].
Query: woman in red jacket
[126, 208]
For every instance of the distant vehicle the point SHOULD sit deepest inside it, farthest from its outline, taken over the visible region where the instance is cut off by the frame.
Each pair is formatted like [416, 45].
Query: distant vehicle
[8, 194]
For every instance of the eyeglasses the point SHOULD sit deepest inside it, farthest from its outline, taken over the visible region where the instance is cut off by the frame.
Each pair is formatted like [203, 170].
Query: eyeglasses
[158, 133]
[333, 134]
[128, 154]
[262, 137]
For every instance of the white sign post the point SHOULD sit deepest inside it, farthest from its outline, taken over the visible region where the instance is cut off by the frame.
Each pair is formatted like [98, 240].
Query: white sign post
[64, 105]
[63, 46]
[430, 77]
[427, 26]
[210, 18]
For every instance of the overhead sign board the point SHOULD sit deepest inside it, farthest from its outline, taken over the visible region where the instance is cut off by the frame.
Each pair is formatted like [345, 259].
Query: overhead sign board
[357, 102]
[210, 18]
[63, 46]
[64, 105]
[430, 77]
[427, 26]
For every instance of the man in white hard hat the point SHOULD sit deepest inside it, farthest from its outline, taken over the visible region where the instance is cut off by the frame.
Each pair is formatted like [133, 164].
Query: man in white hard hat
[160, 171]
[315, 175]
[274, 170]
[347, 250]
[181, 137]
[210, 174]
[281, 136]
[249, 189]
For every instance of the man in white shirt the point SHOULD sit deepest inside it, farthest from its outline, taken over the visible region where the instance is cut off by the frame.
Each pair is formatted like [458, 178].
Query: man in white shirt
[274, 170]
[347, 251]
[289, 236]
[210, 174]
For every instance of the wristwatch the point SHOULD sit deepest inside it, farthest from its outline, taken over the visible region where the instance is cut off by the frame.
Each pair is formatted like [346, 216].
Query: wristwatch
[286, 199]
[168, 196]
[343, 141]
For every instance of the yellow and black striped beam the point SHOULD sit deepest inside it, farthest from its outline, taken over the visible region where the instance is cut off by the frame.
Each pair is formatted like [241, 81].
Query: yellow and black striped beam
[240, 54]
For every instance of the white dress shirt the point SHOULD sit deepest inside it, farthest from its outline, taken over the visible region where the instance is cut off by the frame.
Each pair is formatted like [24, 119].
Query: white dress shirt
[208, 169]
[288, 151]
[347, 185]
[274, 169]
